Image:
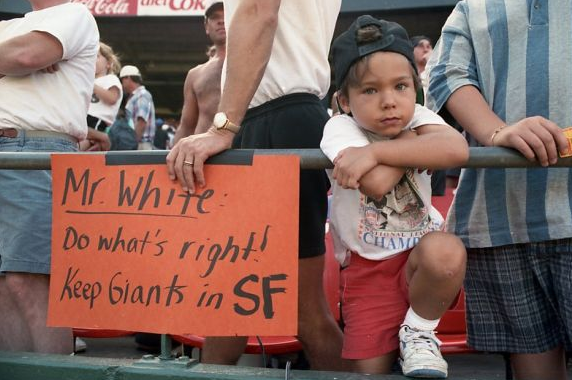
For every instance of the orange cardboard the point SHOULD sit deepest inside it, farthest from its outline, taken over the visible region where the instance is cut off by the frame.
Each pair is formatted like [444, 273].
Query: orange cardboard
[132, 251]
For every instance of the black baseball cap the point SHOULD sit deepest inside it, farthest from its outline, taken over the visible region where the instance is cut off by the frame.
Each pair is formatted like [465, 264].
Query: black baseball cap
[346, 50]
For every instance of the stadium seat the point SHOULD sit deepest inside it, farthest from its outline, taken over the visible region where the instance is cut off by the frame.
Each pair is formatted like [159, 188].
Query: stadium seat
[100, 333]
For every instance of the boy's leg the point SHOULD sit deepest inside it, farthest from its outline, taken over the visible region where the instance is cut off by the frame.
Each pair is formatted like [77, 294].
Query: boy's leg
[374, 303]
[382, 364]
[435, 273]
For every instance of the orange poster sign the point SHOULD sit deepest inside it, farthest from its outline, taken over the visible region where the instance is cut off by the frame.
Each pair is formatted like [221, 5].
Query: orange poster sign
[132, 251]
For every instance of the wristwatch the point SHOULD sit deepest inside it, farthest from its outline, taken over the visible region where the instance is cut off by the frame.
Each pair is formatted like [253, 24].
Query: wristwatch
[221, 122]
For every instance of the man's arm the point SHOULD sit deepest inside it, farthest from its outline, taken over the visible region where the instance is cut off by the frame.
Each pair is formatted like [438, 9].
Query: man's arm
[190, 112]
[250, 37]
[140, 126]
[535, 137]
[29, 52]
[249, 45]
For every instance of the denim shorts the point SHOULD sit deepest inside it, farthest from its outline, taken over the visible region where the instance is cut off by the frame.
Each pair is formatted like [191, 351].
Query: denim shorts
[26, 207]
[519, 297]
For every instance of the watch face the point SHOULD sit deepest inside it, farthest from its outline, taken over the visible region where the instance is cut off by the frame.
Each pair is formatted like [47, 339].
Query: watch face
[219, 120]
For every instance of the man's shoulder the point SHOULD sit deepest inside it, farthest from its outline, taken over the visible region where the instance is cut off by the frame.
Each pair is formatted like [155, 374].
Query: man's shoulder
[69, 9]
[209, 66]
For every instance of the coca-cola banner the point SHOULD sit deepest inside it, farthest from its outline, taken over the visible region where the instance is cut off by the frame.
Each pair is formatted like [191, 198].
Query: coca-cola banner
[144, 7]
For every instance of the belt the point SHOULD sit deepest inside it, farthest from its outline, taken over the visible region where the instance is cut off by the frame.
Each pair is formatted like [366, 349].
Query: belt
[12, 133]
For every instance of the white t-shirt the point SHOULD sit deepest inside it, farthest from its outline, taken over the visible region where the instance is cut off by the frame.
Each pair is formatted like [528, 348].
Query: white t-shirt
[53, 101]
[299, 58]
[100, 109]
[378, 230]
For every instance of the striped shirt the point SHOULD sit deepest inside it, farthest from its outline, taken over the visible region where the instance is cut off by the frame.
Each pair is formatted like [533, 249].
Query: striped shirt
[140, 105]
[518, 53]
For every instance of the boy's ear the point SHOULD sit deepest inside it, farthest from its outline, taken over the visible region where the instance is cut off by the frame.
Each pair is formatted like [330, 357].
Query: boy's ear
[344, 103]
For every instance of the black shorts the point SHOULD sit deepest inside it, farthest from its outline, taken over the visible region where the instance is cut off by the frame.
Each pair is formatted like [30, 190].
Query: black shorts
[294, 121]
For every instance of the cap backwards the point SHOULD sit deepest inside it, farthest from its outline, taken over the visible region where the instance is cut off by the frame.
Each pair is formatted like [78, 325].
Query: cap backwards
[346, 50]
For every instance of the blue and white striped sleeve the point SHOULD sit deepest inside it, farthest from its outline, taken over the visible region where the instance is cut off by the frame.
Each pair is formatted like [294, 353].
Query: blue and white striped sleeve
[452, 64]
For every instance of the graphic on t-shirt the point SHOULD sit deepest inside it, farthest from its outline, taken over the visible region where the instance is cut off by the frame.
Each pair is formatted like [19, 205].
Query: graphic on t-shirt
[401, 215]
[94, 98]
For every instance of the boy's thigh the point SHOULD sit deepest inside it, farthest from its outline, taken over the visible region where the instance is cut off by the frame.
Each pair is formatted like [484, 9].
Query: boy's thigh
[374, 298]
[518, 297]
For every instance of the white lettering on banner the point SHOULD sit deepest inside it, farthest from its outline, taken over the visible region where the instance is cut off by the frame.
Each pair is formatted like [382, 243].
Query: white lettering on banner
[106, 7]
[144, 7]
[153, 3]
[170, 8]
[186, 5]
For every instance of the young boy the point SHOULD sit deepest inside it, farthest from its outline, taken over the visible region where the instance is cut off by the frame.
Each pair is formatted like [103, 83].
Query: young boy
[401, 273]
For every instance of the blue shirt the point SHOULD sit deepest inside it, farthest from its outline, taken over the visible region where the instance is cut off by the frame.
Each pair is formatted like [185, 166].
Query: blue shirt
[518, 54]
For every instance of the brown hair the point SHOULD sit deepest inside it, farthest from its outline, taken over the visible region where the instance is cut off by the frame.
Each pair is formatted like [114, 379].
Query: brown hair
[107, 52]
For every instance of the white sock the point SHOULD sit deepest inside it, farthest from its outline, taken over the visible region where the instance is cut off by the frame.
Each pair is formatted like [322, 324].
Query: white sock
[419, 323]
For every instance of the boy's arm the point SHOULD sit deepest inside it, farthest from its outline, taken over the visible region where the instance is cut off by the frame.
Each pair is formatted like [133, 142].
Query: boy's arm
[535, 137]
[435, 147]
[382, 179]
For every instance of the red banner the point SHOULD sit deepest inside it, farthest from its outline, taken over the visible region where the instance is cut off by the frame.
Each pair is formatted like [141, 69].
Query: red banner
[144, 7]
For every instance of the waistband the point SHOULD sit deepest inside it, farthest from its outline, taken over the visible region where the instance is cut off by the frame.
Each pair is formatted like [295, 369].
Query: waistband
[13, 133]
[283, 101]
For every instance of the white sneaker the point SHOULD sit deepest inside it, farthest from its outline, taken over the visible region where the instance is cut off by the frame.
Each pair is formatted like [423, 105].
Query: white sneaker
[80, 345]
[419, 354]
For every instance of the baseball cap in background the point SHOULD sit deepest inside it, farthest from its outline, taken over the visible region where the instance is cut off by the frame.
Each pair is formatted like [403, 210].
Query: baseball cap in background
[129, 71]
[346, 50]
[210, 6]
[416, 39]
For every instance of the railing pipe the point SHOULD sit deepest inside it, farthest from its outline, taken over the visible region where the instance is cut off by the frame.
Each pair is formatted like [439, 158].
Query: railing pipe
[480, 157]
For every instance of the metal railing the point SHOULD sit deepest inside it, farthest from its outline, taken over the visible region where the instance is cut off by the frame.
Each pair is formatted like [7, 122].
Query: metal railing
[480, 157]
[29, 365]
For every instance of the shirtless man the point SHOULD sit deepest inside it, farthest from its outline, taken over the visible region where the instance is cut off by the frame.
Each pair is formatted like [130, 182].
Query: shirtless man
[202, 85]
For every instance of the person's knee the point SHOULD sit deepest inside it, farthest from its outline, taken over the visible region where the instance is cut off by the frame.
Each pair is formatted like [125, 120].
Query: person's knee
[25, 285]
[443, 255]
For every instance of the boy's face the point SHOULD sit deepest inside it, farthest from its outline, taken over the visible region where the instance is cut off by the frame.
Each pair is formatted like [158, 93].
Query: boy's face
[384, 101]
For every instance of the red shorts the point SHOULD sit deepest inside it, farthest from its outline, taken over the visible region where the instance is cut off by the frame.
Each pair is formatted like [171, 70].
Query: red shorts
[375, 299]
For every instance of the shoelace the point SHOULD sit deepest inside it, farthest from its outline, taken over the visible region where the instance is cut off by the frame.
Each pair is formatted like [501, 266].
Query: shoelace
[422, 340]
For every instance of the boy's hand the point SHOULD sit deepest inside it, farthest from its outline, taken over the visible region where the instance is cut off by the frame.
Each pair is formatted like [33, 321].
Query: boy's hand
[536, 138]
[351, 164]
